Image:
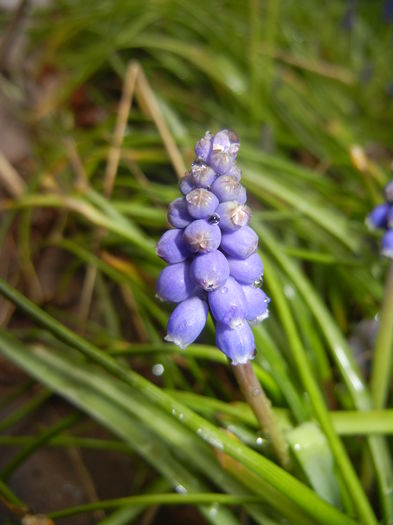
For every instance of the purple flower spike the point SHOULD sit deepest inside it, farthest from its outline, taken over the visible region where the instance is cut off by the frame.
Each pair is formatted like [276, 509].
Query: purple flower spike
[212, 253]
[228, 189]
[178, 215]
[246, 271]
[257, 304]
[238, 343]
[378, 216]
[203, 147]
[201, 203]
[187, 322]
[186, 183]
[387, 244]
[172, 247]
[228, 304]
[233, 215]
[210, 270]
[241, 243]
[202, 237]
[203, 175]
[174, 283]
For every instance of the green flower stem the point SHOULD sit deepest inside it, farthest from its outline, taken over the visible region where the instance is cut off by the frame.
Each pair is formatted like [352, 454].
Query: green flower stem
[156, 499]
[296, 491]
[261, 406]
[381, 370]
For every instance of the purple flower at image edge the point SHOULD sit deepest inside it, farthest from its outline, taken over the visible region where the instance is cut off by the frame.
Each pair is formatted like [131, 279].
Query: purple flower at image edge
[211, 253]
[381, 218]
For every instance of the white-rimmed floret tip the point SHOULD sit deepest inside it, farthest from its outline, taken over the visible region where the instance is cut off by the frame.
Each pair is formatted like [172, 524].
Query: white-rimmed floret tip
[211, 252]
[257, 304]
[238, 343]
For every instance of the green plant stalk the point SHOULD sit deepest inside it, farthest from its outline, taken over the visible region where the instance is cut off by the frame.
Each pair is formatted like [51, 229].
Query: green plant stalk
[381, 369]
[156, 499]
[297, 492]
[261, 406]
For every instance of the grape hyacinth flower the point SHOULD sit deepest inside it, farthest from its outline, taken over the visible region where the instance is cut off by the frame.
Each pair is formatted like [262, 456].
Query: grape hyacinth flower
[211, 253]
[381, 217]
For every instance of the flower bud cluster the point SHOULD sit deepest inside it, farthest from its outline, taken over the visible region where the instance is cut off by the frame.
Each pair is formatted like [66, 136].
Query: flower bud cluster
[381, 217]
[211, 253]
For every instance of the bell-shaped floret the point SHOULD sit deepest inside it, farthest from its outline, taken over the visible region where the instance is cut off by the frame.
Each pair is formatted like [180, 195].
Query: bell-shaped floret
[241, 243]
[257, 304]
[210, 270]
[228, 303]
[174, 283]
[202, 237]
[187, 322]
[237, 343]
